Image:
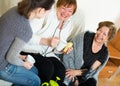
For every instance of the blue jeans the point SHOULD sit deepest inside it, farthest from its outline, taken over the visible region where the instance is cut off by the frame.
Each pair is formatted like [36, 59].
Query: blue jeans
[20, 76]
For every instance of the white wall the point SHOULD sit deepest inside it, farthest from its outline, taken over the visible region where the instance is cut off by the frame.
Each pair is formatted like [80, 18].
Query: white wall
[6, 4]
[94, 10]
[100, 10]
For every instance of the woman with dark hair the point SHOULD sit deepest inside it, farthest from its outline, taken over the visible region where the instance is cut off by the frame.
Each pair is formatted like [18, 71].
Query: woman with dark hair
[89, 55]
[15, 32]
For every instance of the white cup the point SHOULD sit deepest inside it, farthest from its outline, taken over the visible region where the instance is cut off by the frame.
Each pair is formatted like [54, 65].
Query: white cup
[30, 59]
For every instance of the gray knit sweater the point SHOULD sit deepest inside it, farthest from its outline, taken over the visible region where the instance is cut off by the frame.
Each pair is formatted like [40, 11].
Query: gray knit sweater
[15, 31]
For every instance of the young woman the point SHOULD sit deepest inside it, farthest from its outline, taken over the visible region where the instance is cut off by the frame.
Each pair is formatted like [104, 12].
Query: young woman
[15, 32]
[56, 29]
[89, 54]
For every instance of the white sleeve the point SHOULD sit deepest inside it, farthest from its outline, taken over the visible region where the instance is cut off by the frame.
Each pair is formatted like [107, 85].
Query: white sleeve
[35, 39]
[14, 52]
[64, 34]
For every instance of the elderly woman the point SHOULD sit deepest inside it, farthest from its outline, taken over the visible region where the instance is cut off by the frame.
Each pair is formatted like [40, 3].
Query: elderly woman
[89, 55]
[56, 28]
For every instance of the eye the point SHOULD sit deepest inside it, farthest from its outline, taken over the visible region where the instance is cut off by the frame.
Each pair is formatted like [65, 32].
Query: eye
[104, 34]
[70, 11]
[63, 8]
[99, 31]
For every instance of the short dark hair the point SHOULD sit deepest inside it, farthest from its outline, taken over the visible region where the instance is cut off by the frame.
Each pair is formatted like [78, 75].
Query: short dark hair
[111, 26]
[26, 6]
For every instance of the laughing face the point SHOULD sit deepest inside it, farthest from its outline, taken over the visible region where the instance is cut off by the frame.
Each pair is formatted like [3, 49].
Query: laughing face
[65, 12]
[101, 35]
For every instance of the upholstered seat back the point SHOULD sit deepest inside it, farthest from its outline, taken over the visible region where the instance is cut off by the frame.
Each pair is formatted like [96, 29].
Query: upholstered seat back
[78, 23]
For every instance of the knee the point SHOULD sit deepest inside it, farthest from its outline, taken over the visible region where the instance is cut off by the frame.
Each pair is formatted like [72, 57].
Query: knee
[34, 82]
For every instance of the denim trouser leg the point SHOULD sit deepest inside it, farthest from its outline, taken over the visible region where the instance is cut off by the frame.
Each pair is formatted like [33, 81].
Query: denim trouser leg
[20, 76]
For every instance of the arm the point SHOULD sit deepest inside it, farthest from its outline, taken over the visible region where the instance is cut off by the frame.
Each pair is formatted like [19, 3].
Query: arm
[53, 42]
[13, 52]
[90, 72]
[96, 67]
[96, 64]
[64, 34]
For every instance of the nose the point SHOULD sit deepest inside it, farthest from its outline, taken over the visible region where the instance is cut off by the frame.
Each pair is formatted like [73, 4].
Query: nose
[101, 35]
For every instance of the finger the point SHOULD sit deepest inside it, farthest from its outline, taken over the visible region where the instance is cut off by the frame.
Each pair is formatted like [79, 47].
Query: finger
[71, 77]
[68, 69]
[68, 75]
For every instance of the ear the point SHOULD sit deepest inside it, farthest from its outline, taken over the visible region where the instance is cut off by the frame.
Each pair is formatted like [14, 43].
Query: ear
[40, 10]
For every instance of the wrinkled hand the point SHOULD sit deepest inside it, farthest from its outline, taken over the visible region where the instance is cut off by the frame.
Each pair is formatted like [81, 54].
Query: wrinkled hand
[28, 65]
[54, 41]
[71, 73]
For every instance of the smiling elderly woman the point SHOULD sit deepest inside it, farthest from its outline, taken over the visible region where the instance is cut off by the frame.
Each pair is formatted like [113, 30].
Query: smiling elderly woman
[89, 54]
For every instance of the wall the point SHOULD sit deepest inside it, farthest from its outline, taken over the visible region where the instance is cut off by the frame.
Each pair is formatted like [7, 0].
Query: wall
[6, 4]
[100, 10]
[94, 10]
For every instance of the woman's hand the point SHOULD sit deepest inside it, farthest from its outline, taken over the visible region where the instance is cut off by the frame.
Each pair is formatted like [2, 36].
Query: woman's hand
[54, 42]
[23, 57]
[27, 65]
[71, 73]
[68, 48]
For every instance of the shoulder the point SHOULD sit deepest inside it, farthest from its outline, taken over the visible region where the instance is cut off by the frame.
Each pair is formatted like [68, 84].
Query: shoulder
[89, 33]
[16, 23]
[10, 13]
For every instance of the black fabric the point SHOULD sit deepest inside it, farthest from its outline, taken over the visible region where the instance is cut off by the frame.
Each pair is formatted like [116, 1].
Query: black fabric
[48, 67]
[89, 82]
[87, 74]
